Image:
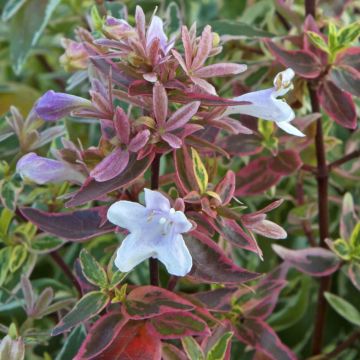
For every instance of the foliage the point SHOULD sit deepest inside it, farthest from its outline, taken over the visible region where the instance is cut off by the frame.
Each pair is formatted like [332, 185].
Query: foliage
[101, 101]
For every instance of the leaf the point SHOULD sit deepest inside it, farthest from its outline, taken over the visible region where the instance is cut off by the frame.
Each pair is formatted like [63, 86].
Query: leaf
[210, 264]
[313, 261]
[173, 16]
[304, 63]
[338, 104]
[5, 220]
[354, 273]
[72, 344]
[219, 349]
[101, 335]
[18, 257]
[348, 34]
[11, 7]
[13, 349]
[78, 225]
[226, 187]
[149, 301]
[171, 352]
[10, 191]
[92, 190]
[87, 307]
[286, 162]
[318, 41]
[348, 218]
[26, 28]
[231, 30]
[135, 341]
[179, 324]
[349, 57]
[346, 78]
[92, 270]
[43, 244]
[5, 254]
[242, 144]
[355, 238]
[343, 308]
[218, 299]
[192, 348]
[43, 302]
[200, 171]
[260, 336]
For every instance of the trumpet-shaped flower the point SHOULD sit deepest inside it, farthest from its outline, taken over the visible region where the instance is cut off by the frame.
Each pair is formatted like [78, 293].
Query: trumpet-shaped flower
[42, 170]
[266, 105]
[155, 231]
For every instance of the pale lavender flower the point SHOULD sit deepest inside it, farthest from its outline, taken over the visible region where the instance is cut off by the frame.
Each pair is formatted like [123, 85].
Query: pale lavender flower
[53, 106]
[156, 30]
[42, 170]
[155, 231]
[266, 105]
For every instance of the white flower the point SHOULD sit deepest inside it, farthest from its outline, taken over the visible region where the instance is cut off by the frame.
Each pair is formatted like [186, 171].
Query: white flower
[155, 231]
[265, 105]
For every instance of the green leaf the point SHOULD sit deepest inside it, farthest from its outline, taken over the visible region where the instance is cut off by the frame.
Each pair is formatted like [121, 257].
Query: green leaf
[96, 19]
[43, 243]
[348, 34]
[114, 275]
[5, 254]
[10, 191]
[92, 270]
[87, 307]
[341, 248]
[72, 344]
[11, 7]
[355, 237]
[173, 16]
[318, 41]
[192, 348]
[5, 220]
[201, 174]
[238, 30]
[17, 258]
[332, 38]
[218, 351]
[343, 308]
[26, 27]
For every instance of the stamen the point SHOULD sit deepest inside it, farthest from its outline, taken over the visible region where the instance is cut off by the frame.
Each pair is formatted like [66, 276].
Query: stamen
[172, 211]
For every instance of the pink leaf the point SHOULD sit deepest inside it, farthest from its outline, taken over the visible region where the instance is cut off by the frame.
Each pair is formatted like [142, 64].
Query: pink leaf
[77, 225]
[338, 104]
[181, 116]
[139, 141]
[210, 264]
[204, 48]
[226, 187]
[160, 103]
[174, 141]
[304, 63]
[111, 166]
[185, 37]
[220, 69]
[313, 261]
[122, 125]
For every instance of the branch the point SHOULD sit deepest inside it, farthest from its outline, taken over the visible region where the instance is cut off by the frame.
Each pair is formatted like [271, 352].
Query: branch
[153, 263]
[344, 345]
[353, 155]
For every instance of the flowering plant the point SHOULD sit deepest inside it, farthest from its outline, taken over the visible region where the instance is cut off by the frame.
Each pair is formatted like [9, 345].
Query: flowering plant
[156, 176]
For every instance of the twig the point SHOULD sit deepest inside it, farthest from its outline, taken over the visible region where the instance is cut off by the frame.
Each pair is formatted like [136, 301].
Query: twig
[65, 268]
[353, 155]
[153, 263]
[344, 345]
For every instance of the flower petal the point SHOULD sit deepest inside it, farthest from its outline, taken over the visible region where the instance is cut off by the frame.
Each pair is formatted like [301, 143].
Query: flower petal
[264, 105]
[290, 129]
[155, 200]
[54, 106]
[111, 166]
[127, 214]
[156, 30]
[181, 223]
[132, 251]
[175, 256]
[42, 170]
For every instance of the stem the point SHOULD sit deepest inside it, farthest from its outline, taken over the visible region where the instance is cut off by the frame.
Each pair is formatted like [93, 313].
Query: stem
[65, 268]
[153, 263]
[353, 155]
[310, 7]
[322, 177]
[344, 345]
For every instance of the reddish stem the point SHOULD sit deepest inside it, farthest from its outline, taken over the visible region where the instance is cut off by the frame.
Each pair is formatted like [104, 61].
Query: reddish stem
[153, 263]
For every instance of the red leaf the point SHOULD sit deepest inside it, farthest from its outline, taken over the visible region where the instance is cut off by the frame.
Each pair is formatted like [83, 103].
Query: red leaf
[304, 63]
[92, 189]
[242, 144]
[259, 335]
[149, 301]
[338, 104]
[218, 299]
[140, 87]
[349, 57]
[210, 264]
[346, 78]
[179, 324]
[101, 335]
[134, 342]
[255, 178]
[77, 225]
[286, 162]
[226, 187]
[313, 261]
